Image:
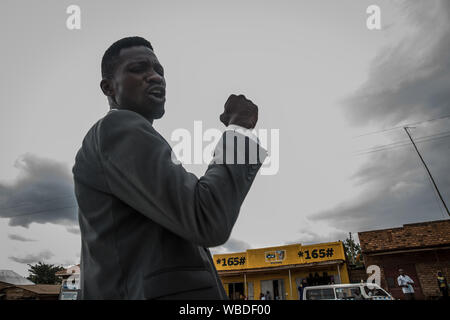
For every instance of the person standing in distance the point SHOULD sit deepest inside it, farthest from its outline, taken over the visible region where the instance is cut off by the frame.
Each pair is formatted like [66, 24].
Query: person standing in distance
[146, 223]
[442, 285]
[405, 282]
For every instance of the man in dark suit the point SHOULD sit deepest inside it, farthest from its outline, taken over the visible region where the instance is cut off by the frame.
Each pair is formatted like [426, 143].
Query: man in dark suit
[146, 223]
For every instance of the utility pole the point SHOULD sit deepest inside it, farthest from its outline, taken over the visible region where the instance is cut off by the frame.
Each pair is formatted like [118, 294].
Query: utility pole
[429, 173]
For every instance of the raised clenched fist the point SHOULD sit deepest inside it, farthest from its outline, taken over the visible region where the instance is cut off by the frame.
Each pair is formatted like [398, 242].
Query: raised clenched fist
[240, 111]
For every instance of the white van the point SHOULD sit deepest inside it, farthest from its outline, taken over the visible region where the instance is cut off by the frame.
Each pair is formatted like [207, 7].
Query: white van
[350, 291]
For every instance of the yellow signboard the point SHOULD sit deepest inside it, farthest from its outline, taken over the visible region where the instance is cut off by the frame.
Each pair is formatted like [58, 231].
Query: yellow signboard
[282, 255]
[233, 261]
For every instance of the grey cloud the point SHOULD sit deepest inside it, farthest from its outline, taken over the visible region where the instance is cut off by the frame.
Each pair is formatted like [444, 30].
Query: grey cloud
[19, 238]
[42, 193]
[310, 237]
[74, 230]
[411, 79]
[232, 245]
[407, 83]
[398, 190]
[70, 262]
[33, 258]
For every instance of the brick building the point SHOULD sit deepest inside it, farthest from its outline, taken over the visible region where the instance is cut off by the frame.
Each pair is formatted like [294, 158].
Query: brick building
[15, 287]
[31, 292]
[421, 249]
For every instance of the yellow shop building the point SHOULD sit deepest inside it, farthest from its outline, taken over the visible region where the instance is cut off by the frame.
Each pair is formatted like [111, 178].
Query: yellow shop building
[277, 272]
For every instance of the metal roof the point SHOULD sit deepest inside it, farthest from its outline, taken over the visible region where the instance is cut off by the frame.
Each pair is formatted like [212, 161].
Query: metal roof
[10, 277]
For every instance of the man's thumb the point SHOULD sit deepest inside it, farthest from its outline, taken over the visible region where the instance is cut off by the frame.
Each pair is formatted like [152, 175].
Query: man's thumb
[224, 119]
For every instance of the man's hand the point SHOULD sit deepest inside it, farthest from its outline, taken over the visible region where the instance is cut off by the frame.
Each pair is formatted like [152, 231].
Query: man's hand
[240, 111]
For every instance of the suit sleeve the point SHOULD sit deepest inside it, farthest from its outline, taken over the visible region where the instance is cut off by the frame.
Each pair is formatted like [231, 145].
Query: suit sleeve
[139, 170]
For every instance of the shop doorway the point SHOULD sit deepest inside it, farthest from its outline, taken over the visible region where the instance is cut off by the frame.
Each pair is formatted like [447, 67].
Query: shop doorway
[236, 290]
[391, 274]
[273, 289]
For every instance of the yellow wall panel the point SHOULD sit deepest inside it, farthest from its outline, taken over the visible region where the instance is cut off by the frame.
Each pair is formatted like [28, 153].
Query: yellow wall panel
[279, 256]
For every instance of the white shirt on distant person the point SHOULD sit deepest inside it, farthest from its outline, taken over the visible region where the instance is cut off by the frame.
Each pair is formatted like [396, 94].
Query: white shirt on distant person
[404, 280]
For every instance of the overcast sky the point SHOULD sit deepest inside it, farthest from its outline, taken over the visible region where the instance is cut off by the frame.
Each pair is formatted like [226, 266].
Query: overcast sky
[316, 72]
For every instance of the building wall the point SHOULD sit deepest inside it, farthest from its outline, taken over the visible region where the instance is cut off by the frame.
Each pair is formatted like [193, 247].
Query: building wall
[256, 280]
[357, 274]
[14, 293]
[296, 276]
[421, 249]
[4, 285]
[416, 235]
[421, 266]
[17, 293]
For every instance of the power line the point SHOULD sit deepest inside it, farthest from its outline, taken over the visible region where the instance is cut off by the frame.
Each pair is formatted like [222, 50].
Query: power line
[428, 171]
[396, 145]
[403, 143]
[401, 127]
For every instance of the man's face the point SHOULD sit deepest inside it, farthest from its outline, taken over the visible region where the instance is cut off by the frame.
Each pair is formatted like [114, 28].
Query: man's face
[139, 83]
[401, 272]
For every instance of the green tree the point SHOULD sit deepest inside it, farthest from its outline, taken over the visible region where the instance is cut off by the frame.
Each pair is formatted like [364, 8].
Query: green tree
[352, 251]
[42, 273]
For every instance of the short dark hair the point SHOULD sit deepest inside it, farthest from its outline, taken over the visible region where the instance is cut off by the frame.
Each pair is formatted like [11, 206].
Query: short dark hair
[111, 55]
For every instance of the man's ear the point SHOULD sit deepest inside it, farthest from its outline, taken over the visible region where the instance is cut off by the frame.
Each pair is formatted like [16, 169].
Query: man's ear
[107, 87]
